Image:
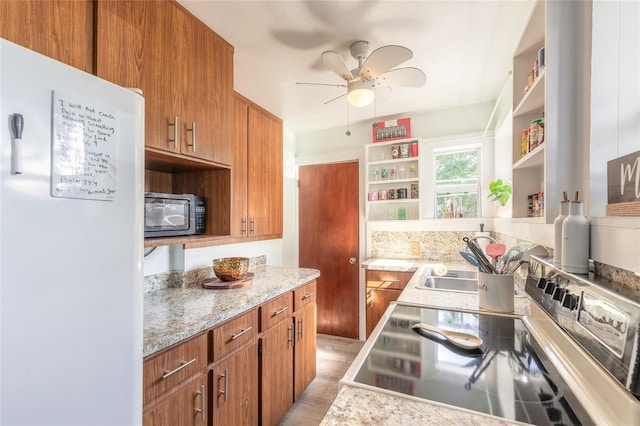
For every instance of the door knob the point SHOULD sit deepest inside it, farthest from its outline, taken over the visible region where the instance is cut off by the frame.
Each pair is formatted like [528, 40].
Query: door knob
[352, 261]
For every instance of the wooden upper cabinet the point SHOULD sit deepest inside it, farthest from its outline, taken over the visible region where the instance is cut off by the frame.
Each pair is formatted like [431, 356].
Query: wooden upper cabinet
[239, 225]
[264, 169]
[183, 68]
[60, 29]
[257, 172]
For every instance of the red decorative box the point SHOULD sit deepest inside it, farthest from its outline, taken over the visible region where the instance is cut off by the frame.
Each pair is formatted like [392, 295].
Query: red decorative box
[391, 130]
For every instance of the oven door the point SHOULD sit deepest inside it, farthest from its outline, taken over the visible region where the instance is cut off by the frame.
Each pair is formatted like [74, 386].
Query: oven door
[504, 377]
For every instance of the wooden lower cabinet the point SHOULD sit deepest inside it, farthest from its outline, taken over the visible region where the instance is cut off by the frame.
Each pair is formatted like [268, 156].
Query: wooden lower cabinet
[233, 399]
[234, 375]
[276, 372]
[304, 363]
[383, 287]
[183, 405]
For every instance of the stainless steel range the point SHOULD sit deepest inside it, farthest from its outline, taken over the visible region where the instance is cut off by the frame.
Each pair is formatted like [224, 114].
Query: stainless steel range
[573, 360]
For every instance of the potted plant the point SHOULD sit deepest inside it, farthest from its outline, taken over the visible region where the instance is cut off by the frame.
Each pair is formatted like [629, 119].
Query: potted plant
[501, 192]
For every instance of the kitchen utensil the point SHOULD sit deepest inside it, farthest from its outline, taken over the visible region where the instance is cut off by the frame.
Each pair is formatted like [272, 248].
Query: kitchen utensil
[510, 258]
[230, 268]
[494, 251]
[462, 340]
[469, 258]
[513, 267]
[484, 265]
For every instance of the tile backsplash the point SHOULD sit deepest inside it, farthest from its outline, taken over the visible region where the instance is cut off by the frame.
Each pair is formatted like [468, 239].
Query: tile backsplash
[445, 246]
[190, 278]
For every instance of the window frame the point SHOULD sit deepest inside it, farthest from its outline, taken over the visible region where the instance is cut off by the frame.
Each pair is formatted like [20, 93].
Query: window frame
[429, 147]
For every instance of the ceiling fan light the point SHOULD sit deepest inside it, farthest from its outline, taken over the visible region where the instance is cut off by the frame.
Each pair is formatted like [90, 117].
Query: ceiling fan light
[360, 97]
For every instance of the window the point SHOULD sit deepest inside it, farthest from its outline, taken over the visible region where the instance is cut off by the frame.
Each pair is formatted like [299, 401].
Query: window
[457, 182]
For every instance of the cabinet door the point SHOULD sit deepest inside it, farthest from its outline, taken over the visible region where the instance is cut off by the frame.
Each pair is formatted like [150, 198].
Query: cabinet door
[378, 301]
[137, 46]
[264, 173]
[239, 224]
[60, 29]
[305, 349]
[183, 406]
[276, 373]
[234, 394]
[209, 96]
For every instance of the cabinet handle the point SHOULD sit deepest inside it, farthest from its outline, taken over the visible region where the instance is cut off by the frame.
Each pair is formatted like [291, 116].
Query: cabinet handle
[308, 295]
[202, 398]
[253, 225]
[182, 365]
[246, 330]
[300, 327]
[244, 226]
[279, 311]
[193, 136]
[175, 132]
[225, 392]
[292, 329]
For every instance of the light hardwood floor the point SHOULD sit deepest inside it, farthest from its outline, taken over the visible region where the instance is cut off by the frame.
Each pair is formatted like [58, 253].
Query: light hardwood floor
[334, 356]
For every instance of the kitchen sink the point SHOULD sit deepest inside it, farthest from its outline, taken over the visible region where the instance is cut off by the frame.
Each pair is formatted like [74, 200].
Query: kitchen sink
[466, 273]
[467, 285]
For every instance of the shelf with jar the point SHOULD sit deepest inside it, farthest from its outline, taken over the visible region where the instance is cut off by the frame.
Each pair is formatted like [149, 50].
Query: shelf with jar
[392, 181]
[545, 121]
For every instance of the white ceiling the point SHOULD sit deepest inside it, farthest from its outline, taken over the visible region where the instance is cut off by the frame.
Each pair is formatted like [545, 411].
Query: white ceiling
[463, 46]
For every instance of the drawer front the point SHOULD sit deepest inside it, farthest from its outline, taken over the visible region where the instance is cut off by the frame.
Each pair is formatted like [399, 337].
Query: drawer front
[233, 334]
[304, 295]
[388, 279]
[276, 310]
[163, 371]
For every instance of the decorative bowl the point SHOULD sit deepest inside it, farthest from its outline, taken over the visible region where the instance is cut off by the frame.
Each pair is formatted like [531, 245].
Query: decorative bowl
[230, 268]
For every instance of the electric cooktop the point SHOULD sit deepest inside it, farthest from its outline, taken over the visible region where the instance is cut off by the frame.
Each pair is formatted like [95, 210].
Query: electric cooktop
[503, 377]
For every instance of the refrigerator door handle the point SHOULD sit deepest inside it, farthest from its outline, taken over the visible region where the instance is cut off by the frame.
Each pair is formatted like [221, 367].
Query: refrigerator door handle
[17, 124]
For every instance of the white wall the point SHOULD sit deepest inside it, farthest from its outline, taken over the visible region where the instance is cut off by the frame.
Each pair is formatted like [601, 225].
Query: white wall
[615, 124]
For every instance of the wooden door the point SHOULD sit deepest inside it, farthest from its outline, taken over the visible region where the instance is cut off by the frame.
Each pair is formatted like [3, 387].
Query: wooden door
[328, 229]
[234, 394]
[60, 29]
[184, 406]
[276, 373]
[304, 349]
[264, 167]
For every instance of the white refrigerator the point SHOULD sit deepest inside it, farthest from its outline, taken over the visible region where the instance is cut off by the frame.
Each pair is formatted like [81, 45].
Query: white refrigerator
[71, 245]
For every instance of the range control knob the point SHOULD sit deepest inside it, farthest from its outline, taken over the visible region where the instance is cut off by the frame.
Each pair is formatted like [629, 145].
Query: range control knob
[570, 301]
[542, 282]
[558, 294]
[550, 288]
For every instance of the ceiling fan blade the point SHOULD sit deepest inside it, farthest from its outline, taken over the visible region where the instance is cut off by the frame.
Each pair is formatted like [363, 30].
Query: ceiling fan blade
[383, 59]
[321, 84]
[335, 62]
[336, 98]
[403, 77]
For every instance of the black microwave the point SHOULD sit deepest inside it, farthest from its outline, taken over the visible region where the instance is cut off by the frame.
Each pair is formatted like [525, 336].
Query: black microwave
[169, 215]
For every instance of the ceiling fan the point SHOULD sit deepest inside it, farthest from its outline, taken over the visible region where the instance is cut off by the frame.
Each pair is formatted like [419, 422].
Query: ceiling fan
[375, 71]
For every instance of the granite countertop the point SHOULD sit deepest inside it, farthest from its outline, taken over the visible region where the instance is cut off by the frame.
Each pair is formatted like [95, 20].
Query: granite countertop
[356, 405]
[174, 314]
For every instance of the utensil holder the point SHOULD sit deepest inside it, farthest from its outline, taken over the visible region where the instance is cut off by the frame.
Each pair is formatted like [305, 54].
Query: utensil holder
[496, 292]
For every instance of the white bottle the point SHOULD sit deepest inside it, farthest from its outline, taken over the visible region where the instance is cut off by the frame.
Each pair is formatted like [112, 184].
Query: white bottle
[557, 232]
[575, 240]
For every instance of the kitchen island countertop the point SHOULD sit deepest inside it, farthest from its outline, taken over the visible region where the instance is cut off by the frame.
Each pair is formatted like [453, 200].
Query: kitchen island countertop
[355, 405]
[175, 314]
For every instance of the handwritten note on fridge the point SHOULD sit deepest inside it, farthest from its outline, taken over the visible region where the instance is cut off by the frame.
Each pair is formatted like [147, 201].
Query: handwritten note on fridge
[83, 149]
